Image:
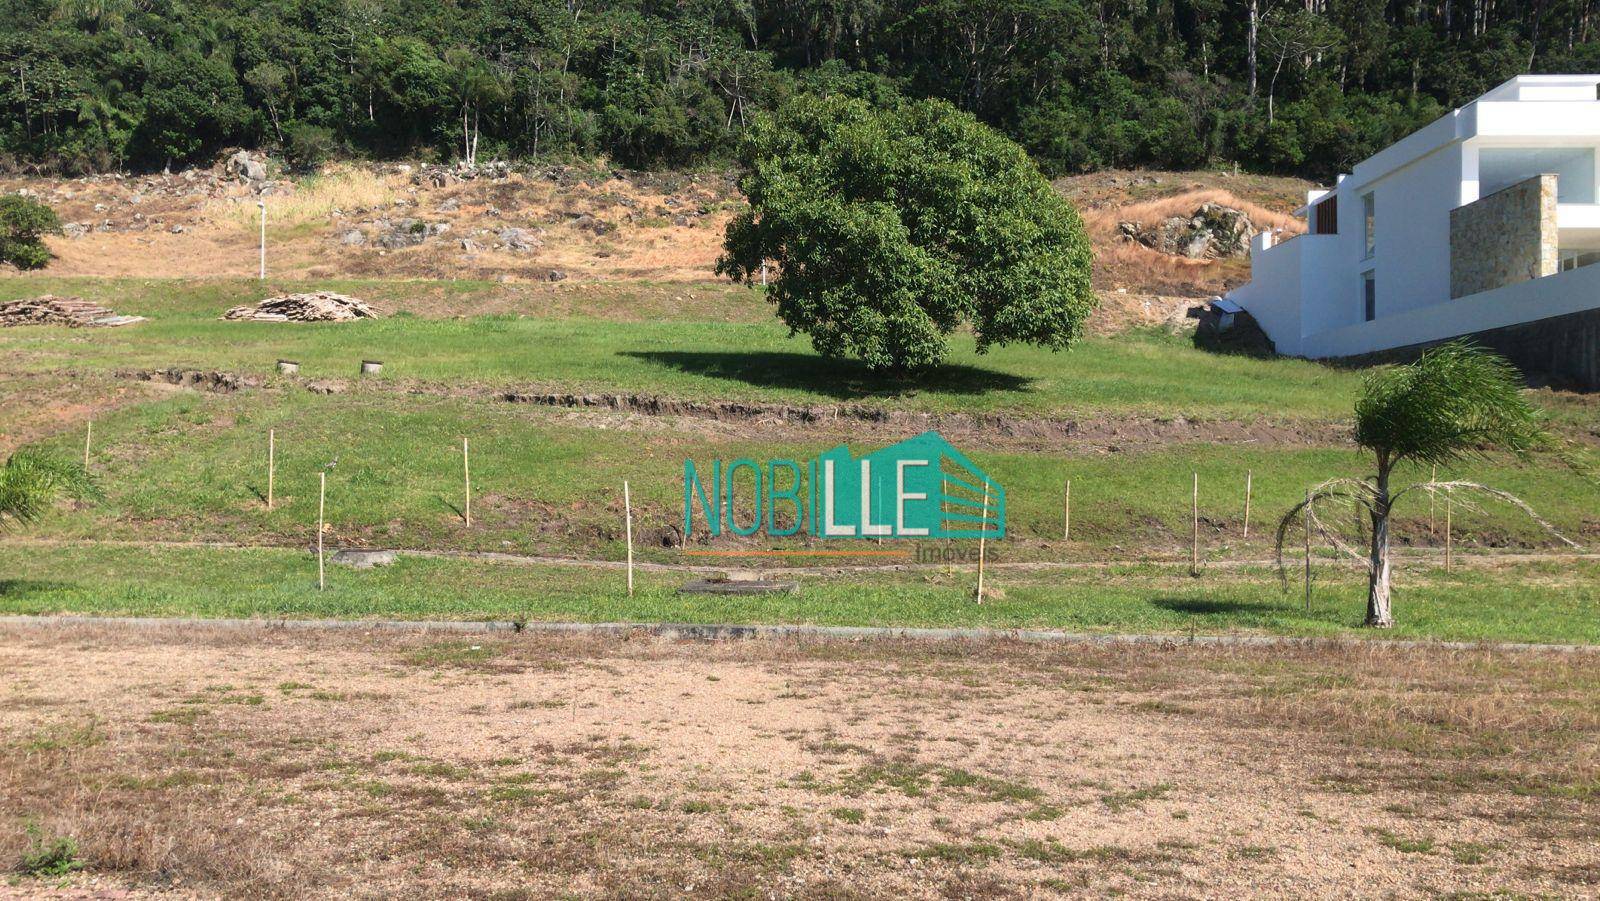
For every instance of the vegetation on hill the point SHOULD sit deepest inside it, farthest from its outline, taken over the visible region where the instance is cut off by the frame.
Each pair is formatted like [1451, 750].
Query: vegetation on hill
[1270, 83]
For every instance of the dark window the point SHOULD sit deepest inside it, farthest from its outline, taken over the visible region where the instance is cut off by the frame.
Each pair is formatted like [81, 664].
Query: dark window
[1369, 296]
[1327, 217]
[1369, 226]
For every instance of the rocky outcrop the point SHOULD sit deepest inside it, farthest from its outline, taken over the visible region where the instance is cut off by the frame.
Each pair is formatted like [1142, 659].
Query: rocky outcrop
[399, 233]
[1213, 232]
[243, 165]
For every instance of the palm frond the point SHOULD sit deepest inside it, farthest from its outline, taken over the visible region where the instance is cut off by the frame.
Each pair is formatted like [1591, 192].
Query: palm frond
[1460, 493]
[1357, 492]
[1456, 400]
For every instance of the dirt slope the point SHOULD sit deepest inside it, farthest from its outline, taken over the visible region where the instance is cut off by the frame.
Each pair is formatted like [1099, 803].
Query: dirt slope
[592, 223]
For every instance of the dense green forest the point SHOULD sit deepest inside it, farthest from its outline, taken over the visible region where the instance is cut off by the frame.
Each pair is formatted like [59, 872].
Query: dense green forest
[1307, 86]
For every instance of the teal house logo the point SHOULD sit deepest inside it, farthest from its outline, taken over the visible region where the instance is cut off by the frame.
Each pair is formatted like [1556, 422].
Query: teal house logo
[920, 488]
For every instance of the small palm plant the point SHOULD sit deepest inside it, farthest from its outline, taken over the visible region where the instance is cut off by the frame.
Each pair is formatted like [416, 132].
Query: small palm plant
[30, 481]
[1455, 402]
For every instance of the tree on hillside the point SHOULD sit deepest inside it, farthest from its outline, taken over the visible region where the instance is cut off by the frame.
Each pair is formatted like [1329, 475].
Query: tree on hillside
[23, 224]
[1294, 34]
[1455, 402]
[31, 481]
[884, 230]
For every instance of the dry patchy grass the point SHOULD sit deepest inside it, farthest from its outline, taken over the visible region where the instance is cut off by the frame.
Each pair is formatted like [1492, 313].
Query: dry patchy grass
[345, 764]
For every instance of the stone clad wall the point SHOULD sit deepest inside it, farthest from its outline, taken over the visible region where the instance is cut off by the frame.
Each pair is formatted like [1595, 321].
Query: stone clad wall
[1508, 236]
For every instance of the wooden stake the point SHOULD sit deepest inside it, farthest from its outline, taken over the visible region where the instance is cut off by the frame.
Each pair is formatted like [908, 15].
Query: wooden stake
[1308, 551]
[1448, 542]
[322, 497]
[1432, 501]
[1248, 478]
[272, 462]
[1194, 551]
[627, 512]
[466, 474]
[981, 536]
[88, 436]
[1066, 513]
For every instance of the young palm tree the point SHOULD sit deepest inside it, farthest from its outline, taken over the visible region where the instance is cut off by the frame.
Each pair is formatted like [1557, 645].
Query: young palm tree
[1456, 401]
[30, 482]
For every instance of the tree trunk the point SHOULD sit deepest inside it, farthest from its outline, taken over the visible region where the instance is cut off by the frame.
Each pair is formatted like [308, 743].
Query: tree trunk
[1250, 44]
[1379, 615]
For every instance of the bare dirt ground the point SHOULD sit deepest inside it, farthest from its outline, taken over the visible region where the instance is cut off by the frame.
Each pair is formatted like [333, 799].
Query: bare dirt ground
[196, 763]
[586, 224]
[593, 224]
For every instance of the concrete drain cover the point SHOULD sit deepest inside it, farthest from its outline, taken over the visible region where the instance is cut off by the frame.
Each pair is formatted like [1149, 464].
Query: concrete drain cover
[363, 559]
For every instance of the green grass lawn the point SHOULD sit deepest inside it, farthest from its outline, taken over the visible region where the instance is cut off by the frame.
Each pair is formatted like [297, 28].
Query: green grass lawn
[1497, 604]
[695, 351]
[193, 467]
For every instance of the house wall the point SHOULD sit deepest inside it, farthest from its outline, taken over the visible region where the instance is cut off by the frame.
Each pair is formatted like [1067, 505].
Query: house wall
[1289, 280]
[1411, 262]
[1273, 294]
[1509, 236]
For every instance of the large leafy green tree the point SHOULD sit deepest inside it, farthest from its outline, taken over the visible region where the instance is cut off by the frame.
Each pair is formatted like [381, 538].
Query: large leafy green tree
[1454, 402]
[885, 230]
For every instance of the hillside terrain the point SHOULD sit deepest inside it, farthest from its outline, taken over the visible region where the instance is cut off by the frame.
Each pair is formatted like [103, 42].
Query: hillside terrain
[550, 347]
[566, 224]
[569, 324]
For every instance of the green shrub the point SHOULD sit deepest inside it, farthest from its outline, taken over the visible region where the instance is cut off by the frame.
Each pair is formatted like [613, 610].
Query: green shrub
[308, 146]
[23, 224]
[56, 856]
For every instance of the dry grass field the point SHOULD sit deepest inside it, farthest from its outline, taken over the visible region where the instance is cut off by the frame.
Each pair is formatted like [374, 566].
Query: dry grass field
[194, 763]
[586, 224]
[590, 225]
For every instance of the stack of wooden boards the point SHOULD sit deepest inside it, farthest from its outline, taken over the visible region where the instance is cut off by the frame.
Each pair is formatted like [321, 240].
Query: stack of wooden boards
[316, 306]
[74, 312]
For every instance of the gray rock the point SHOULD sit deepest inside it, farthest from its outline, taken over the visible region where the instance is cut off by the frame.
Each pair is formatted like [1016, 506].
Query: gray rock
[402, 233]
[557, 275]
[1213, 232]
[243, 165]
[353, 238]
[518, 239]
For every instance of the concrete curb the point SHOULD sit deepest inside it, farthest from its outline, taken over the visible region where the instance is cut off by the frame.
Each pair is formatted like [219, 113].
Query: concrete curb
[731, 632]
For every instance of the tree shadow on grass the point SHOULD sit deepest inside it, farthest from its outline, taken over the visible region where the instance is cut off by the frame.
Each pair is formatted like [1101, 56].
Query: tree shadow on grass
[459, 512]
[16, 588]
[838, 379]
[1203, 606]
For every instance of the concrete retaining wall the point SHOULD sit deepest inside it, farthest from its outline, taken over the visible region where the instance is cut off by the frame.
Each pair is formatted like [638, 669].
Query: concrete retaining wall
[1562, 350]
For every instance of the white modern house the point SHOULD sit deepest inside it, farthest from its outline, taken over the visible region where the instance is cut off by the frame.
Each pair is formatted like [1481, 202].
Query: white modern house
[1483, 223]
